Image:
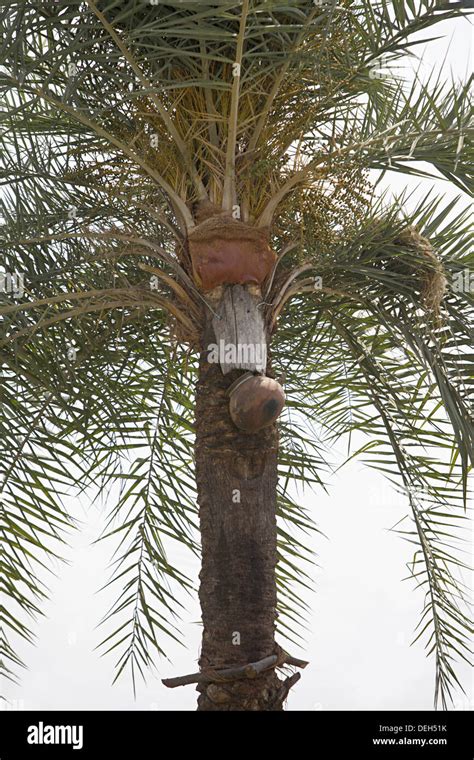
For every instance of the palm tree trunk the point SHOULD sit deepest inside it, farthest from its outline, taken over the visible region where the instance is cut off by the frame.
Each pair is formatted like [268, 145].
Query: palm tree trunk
[236, 479]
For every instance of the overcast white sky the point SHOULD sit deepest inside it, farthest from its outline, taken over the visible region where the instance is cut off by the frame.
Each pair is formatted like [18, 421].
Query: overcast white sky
[363, 615]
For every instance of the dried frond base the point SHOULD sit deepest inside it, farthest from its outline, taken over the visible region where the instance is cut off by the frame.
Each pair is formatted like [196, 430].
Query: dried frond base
[432, 276]
[180, 334]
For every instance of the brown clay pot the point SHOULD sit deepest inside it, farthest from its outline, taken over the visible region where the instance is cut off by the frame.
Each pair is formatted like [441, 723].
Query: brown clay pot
[255, 402]
[227, 252]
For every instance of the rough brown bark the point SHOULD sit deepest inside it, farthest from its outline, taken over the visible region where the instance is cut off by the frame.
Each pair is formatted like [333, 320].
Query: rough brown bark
[236, 479]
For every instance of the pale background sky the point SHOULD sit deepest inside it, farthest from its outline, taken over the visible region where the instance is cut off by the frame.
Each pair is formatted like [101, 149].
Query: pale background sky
[363, 615]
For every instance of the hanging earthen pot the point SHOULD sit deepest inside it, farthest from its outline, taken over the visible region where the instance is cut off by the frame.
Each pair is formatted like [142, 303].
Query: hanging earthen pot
[255, 402]
[226, 251]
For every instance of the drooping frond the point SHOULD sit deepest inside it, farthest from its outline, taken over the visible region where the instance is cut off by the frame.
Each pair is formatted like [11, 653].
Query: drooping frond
[375, 363]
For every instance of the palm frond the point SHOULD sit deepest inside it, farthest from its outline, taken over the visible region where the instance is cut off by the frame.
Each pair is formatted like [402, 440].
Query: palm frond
[375, 363]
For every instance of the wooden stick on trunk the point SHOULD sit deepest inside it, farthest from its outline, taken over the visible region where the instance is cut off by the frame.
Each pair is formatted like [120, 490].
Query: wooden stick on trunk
[251, 670]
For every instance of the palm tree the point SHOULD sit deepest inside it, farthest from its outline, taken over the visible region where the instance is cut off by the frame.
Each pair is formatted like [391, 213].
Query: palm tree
[184, 175]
